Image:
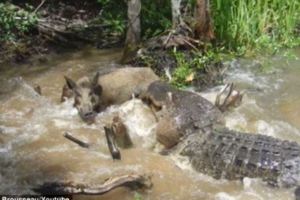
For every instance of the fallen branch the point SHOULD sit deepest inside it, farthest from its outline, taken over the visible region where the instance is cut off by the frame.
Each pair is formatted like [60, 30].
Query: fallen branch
[39, 6]
[168, 37]
[65, 32]
[38, 89]
[76, 140]
[111, 142]
[132, 181]
[110, 138]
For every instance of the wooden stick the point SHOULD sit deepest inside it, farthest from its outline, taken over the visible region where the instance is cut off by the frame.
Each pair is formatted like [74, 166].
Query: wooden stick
[168, 37]
[110, 138]
[38, 89]
[39, 6]
[132, 181]
[76, 140]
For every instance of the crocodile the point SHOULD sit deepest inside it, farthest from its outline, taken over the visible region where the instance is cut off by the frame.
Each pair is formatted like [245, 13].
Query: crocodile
[195, 128]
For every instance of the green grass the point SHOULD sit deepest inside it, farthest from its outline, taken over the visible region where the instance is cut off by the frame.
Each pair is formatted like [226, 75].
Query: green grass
[137, 196]
[155, 17]
[183, 69]
[190, 63]
[243, 25]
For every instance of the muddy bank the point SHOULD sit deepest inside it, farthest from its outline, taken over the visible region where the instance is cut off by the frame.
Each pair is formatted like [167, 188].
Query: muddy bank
[62, 26]
[68, 26]
[164, 63]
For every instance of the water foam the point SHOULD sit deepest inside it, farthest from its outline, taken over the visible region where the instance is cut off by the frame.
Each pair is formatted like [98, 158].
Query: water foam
[140, 121]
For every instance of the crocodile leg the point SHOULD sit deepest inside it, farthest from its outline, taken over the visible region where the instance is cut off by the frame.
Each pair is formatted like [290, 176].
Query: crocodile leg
[231, 98]
[234, 155]
[222, 92]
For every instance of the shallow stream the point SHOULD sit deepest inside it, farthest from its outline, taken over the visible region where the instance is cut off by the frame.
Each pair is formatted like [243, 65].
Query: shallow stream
[33, 149]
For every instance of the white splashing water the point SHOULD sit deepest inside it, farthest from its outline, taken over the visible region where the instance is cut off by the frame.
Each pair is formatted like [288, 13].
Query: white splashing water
[42, 118]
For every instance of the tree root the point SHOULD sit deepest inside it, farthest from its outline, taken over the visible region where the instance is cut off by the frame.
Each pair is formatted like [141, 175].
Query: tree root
[132, 181]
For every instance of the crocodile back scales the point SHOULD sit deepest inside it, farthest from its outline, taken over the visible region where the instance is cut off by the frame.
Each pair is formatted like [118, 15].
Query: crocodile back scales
[233, 155]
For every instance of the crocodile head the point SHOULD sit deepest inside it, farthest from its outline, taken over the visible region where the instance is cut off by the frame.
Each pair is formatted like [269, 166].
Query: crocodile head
[179, 112]
[158, 94]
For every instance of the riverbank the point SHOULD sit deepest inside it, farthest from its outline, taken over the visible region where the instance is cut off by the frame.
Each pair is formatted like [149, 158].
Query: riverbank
[35, 30]
[67, 26]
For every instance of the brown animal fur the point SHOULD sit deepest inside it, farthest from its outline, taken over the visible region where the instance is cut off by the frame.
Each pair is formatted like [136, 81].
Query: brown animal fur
[120, 85]
[112, 88]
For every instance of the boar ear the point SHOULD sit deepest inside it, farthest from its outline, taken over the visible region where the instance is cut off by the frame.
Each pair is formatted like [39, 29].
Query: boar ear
[97, 90]
[70, 83]
[95, 79]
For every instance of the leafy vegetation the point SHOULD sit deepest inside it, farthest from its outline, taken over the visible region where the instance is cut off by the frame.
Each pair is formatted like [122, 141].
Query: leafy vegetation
[189, 64]
[183, 70]
[243, 27]
[240, 27]
[137, 196]
[259, 24]
[114, 15]
[14, 21]
[155, 16]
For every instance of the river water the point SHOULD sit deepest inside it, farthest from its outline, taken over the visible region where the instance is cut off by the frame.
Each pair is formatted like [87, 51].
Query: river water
[33, 149]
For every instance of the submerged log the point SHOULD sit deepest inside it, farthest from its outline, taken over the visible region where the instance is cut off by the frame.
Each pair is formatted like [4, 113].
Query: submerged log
[132, 181]
[111, 142]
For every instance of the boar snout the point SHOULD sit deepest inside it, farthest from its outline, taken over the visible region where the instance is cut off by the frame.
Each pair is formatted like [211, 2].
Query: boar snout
[88, 117]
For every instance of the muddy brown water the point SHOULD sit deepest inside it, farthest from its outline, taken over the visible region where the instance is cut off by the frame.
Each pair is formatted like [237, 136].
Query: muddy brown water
[33, 149]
